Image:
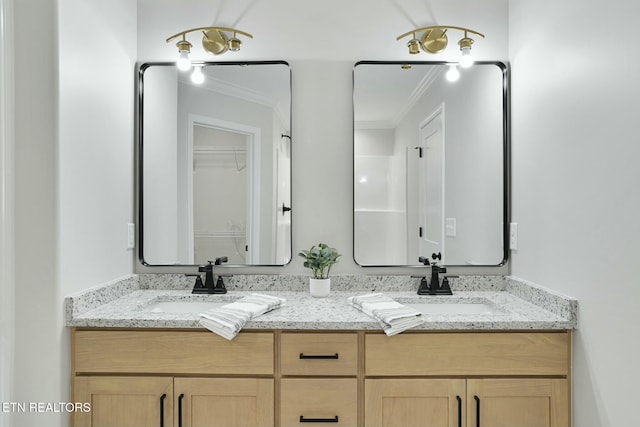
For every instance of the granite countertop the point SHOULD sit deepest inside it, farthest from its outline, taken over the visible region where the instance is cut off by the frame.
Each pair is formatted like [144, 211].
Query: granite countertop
[517, 305]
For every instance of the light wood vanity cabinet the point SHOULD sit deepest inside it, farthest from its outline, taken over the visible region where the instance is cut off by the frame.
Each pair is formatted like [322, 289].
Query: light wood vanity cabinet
[497, 379]
[139, 378]
[288, 378]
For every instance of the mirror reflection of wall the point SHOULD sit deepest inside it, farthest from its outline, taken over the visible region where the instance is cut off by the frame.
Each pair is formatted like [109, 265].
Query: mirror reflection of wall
[215, 166]
[429, 164]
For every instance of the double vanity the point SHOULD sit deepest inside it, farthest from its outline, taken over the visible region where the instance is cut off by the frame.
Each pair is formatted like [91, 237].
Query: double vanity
[214, 178]
[495, 353]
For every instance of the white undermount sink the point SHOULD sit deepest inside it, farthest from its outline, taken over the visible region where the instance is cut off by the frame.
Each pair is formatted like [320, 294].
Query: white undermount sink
[183, 306]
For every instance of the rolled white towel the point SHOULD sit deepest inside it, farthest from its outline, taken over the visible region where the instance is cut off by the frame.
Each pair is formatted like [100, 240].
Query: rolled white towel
[228, 320]
[392, 316]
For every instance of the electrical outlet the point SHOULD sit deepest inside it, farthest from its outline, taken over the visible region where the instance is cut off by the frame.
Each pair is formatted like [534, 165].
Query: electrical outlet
[131, 236]
[513, 236]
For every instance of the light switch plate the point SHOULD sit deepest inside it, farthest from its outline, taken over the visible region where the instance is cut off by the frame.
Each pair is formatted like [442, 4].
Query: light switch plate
[450, 227]
[131, 236]
[513, 236]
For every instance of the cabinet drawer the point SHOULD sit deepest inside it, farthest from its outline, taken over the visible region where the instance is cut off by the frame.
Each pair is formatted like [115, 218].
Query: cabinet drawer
[319, 354]
[474, 353]
[172, 352]
[319, 401]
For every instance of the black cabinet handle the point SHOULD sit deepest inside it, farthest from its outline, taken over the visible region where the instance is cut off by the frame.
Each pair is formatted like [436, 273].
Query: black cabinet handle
[459, 411]
[180, 398]
[477, 410]
[162, 398]
[285, 209]
[318, 420]
[319, 356]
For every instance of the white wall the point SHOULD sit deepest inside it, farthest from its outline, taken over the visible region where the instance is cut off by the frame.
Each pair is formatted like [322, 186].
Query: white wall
[38, 319]
[6, 206]
[575, 185]
[95, 154]
[74, 170]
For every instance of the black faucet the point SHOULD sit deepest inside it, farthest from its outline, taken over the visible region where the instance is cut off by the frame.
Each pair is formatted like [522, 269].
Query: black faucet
[434, 288]
[212, 284]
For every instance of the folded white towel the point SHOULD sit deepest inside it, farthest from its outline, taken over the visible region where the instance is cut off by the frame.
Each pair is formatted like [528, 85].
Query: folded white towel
[228, 320]
[393, 316]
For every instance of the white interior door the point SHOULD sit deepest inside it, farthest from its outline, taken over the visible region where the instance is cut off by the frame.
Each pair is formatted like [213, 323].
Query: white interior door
[431, 186]
[283, 201]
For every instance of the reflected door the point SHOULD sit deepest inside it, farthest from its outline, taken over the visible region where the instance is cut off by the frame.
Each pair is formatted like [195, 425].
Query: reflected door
[220, 196]
[283, 201]
[431, 186]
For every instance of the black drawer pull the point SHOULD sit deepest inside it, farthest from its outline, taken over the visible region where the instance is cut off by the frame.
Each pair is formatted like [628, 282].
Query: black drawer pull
[319, 356]
[477, 410]
[180, 398]
[318, 420]
[459, 411]
[162, 398]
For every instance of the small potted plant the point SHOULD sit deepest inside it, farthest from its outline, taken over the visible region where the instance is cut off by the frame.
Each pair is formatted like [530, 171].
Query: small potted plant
[319, 259]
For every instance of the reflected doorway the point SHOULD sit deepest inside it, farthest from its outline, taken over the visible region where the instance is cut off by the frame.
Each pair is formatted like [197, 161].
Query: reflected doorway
[222, 203]
[219, 173]
[431, 186]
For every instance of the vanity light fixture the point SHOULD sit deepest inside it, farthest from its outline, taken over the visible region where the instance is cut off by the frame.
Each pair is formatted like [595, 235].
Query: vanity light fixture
[184, 47]
[434, 40]
[215, 40]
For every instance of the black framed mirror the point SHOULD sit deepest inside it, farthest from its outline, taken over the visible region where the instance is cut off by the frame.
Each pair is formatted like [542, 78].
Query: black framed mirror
[431, 163]
[214, 163]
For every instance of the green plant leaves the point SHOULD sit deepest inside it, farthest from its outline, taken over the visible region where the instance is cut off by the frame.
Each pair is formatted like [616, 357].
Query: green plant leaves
[319, 259]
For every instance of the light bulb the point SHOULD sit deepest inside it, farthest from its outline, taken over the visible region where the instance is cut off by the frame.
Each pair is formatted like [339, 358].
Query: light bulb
[183, 63]
[452, 74]
[197, 76]
[466, 60]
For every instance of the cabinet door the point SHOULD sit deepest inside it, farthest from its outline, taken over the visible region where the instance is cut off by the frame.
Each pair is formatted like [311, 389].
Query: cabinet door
[124, 401]
[526, 402]
[224, 402]
[414, 402]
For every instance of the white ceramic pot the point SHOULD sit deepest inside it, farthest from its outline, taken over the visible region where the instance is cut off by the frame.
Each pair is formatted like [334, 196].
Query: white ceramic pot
[319, 288]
